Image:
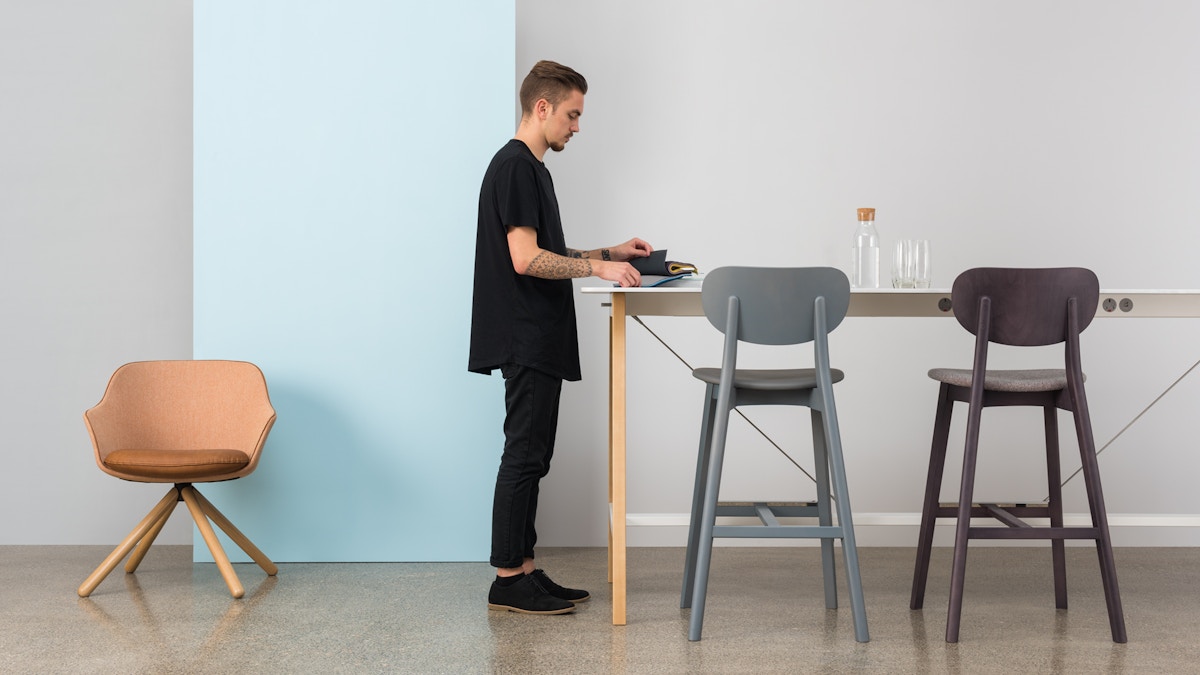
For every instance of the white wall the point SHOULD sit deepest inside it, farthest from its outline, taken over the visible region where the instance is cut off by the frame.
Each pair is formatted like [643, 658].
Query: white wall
[95, 246]
[1007, 133]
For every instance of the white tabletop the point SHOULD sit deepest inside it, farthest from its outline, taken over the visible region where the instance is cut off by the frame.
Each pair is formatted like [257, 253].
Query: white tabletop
[682, 298]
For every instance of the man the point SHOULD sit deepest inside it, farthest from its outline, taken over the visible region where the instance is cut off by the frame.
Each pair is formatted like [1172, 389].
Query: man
[523, 322]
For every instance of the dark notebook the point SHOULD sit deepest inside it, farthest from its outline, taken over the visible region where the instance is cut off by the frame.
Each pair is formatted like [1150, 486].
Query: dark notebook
[656, 264]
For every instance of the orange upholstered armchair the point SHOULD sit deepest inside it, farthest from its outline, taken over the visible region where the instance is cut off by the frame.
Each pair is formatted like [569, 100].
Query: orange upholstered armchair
[181, 422]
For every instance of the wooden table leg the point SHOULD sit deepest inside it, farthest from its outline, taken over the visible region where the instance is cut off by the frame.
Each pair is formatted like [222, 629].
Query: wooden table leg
[616, 457]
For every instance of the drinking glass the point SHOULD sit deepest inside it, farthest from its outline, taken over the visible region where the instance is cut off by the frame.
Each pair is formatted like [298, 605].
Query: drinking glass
[902, 264]
[922, 268]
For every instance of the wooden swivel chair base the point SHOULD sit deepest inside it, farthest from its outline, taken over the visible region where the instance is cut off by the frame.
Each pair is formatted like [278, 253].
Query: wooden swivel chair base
[181, 422]
[147, 530]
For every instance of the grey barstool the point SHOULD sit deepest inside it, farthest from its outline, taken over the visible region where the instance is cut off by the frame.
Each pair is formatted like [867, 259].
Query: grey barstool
[773, 306]
[1019, 307]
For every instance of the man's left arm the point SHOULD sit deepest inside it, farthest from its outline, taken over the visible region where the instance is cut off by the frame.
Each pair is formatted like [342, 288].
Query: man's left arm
[634, 248]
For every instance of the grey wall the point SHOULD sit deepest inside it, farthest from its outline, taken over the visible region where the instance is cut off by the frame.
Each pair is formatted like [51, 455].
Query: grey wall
[1007, 133]
[95, 246]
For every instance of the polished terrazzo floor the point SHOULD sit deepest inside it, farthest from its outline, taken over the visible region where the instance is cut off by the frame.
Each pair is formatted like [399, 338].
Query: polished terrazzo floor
[765, 615]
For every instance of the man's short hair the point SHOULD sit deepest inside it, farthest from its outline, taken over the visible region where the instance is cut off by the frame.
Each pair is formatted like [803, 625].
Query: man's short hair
[551, 81]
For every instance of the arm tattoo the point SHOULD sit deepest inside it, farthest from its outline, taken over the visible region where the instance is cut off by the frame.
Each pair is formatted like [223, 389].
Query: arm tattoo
[605, 254]
[549, 265]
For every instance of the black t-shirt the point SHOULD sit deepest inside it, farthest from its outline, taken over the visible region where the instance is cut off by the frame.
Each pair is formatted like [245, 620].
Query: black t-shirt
[516, 318]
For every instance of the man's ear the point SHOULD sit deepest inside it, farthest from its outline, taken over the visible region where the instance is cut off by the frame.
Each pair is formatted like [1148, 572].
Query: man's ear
[542, 108]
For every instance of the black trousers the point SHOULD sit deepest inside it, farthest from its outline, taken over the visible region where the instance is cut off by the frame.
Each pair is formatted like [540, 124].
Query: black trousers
[531, 420]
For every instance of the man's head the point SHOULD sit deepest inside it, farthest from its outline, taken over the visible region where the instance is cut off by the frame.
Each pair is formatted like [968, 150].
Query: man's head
[551, 104]
[551, 81]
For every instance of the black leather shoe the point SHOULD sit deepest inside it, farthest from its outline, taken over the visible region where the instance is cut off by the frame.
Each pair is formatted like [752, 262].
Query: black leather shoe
[526, 596]
[560, 592]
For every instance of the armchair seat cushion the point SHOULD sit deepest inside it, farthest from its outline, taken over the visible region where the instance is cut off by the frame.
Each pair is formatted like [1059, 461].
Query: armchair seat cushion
[187, 465]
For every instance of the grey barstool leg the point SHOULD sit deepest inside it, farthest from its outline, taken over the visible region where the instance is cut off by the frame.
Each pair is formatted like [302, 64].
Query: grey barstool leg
[708, 516]
[824, 507]
[702, 456]
[837, 466]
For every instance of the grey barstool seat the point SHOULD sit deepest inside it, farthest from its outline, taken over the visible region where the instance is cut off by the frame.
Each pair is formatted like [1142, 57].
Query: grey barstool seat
[1024, 308]
[773, 306]
[768, 380]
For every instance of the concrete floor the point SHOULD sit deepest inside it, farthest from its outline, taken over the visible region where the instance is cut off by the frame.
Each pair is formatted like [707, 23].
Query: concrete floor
[765, 615]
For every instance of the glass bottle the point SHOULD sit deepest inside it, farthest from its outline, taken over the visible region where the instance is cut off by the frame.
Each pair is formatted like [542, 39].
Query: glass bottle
[864, 266]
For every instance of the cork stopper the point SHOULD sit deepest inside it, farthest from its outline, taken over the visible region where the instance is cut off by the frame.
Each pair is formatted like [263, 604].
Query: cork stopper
[866, 214]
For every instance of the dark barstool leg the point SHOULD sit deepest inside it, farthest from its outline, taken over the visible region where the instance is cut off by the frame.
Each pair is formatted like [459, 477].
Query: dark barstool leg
[1054, 478]
[963, 525]
[1091, 479]
[933, 490]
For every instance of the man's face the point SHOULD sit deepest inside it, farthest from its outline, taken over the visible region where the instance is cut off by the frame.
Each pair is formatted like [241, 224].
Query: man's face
[563, 121]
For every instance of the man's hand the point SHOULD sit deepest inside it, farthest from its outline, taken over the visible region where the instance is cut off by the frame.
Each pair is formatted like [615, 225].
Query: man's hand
[620, 273]
[634, 248]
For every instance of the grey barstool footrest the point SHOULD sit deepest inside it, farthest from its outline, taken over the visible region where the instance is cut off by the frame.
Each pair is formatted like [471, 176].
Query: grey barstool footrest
[769, 514]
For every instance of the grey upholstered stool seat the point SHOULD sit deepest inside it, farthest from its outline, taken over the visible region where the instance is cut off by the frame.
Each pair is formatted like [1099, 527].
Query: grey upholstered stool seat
[1005, 380]
[770, 380]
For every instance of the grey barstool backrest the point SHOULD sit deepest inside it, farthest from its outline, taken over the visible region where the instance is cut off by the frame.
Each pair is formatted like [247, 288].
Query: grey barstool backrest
[1027, 307]
[775, 304]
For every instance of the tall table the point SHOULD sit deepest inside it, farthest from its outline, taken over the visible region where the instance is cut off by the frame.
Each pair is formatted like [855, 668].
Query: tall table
[682, 298]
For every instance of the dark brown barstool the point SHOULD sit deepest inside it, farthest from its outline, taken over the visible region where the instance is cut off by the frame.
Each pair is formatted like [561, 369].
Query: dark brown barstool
[1020, 307]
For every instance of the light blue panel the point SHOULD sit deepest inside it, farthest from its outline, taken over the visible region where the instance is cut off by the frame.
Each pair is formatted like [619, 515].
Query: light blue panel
[339, 148]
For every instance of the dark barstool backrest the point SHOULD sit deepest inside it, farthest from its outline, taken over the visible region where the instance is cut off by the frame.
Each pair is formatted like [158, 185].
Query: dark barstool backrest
[1028, 306]
[775, 304]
